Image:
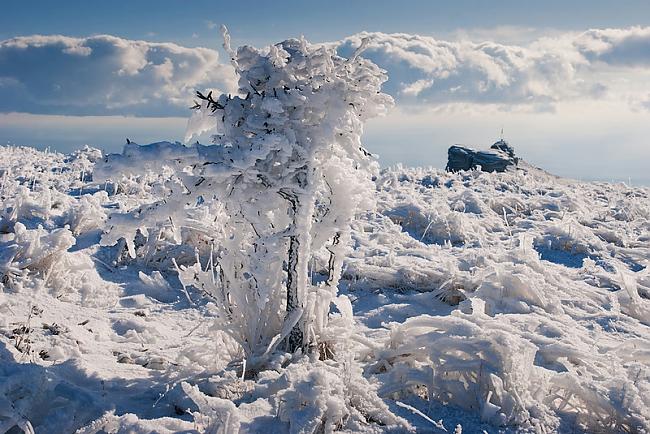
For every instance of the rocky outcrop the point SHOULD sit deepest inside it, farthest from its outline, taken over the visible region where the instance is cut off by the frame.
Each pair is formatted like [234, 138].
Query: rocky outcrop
[497, 159]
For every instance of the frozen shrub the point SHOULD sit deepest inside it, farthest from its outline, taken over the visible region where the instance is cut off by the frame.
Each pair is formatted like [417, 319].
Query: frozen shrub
[289, 174]
[40, 260]
[432, 227]
[25, 206]
[215, 415]
[74, 278]
[326, 397]
[36, 251]
[87, 213]
[131, 423]
[459, 362]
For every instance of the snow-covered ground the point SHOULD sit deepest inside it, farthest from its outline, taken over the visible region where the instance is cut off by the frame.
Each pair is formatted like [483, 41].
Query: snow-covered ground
[481, 302]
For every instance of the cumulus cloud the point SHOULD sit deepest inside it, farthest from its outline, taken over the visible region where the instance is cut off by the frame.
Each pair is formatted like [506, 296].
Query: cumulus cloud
[105, 75]
[616, 47]
[539, 74]
[113, 76]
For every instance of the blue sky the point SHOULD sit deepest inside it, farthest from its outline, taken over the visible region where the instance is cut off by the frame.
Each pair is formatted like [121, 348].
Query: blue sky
[264, 22]
[567, 81]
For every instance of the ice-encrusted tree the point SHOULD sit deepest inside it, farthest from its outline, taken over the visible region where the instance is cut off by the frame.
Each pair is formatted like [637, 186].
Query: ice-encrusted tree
[288, 174]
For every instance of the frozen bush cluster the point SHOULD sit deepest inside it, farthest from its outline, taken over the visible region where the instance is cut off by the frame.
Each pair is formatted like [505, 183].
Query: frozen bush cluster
[548, 265]
[44, 209]
[34, 250]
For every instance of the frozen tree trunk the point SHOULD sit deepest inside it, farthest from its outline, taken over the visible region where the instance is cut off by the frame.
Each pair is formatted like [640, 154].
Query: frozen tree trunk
[296, 337]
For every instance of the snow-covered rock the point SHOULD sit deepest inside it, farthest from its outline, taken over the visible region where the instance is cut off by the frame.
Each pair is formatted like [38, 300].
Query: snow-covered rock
[498, 158]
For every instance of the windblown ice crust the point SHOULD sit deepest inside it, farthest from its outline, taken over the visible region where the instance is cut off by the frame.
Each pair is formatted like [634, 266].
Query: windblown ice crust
[519, 299]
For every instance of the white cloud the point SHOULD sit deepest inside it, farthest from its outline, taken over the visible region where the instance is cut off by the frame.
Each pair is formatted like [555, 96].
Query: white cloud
[109, 75]
[105, 75]
[538, 74]
[414, 89]
[616, 47]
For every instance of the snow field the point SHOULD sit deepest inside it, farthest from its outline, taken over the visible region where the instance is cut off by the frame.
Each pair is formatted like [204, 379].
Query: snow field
[501, 302]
